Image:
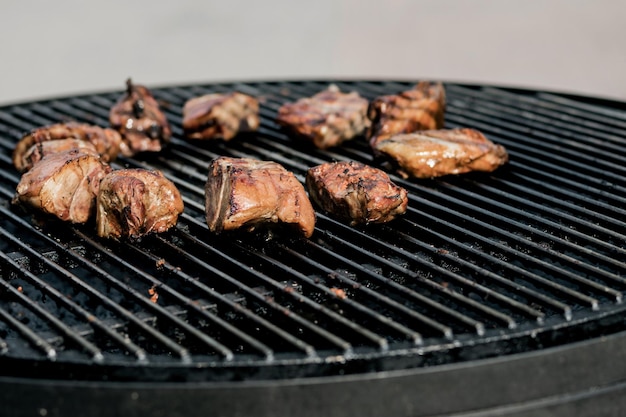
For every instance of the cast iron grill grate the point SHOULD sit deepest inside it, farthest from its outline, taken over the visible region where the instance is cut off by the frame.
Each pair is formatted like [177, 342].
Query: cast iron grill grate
[482, 265]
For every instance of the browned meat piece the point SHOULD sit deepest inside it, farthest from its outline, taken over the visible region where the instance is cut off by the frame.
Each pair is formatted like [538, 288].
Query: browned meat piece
[138, 117]
[106, 141]
[134, 202]
[434, 153]
[39, 150]
[356, 192]
[326, 119]
[422, 108]
[64, 184]
[220, 116]
[245, 193]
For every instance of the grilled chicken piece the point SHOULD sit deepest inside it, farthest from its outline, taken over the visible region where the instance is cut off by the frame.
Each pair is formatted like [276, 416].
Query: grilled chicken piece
[356, 192]
[107, 141]
[433, 153]
[421, 108]
[64, 184]
[41, 149]
[327, 119]
[134, 202]
[245, 193]
[138, 117]
[220, 116]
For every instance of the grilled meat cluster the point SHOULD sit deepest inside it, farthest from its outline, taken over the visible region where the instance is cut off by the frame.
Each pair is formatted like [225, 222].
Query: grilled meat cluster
[65, 164]
[139, 119]
[326, 119]
[422, 108]
[356, 192]
[64, 184]
[220, 116]
[134, 202]
[246, 193]
[434, 153]
[106, 142]
[67, 171]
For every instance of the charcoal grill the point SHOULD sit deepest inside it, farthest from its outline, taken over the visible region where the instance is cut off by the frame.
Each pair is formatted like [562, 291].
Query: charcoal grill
[496, 294]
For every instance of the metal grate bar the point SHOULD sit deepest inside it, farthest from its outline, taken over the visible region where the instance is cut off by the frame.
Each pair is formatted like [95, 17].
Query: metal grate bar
[289, 272]
[58, 325]
[126, 315]
[571, 111]
[534, 297]
[33, 338]
[256, 320]
[588, 108]
[4, 347]
[380, 341]
[141, 300]
[414, 297]
[484, 310]
[513, 213]
[584, 131]
[511, 191]
[162, 312]
[525, 243]
[88, 317]
[571, 234]
[562, 186]
[349, 291]
[264, 299]
[523, 272]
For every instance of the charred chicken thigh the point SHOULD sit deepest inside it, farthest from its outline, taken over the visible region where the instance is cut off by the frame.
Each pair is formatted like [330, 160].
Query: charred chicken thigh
[139, 119]
[134, 202]
[64, 184]
[220, 116]
[326, 119]
[421, 108]
[107, 142]
[356, 192]
[433, 153]
[246, 193]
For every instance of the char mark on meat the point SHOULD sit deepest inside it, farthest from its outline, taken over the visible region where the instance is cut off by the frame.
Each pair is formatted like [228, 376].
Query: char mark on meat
[326, 119]
[356, 192]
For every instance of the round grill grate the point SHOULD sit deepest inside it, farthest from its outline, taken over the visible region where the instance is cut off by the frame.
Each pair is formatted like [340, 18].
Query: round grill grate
[482, 265]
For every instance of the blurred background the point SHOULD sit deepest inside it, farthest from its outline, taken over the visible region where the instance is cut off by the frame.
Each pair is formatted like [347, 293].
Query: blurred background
[68, 47]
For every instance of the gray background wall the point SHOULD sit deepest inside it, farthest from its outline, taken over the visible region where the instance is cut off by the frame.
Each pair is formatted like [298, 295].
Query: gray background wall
[70, 46]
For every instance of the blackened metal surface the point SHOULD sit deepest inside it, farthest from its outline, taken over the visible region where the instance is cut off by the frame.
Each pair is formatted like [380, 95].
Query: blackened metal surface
[483, 265]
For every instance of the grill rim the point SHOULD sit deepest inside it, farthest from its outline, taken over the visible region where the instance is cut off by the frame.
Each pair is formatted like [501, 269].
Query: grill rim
[415, 392]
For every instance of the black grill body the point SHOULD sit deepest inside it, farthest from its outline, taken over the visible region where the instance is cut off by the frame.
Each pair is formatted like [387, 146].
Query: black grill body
[496, 294]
